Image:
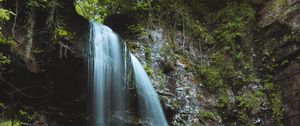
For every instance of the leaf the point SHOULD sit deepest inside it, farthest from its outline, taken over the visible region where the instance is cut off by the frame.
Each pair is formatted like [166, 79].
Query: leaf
[5, 14]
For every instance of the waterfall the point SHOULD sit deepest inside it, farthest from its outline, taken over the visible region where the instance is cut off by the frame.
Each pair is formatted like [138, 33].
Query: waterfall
[122, 93]
[144, 86]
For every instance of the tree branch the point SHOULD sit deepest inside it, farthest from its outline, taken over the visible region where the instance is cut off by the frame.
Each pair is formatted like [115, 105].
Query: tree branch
[20, 90]
[13, 31]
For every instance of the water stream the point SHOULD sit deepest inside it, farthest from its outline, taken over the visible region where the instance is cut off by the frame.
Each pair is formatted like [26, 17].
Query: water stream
[122, 91]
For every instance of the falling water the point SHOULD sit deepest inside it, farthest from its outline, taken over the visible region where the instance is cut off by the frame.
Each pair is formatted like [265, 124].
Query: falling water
[153, 107]
[109, 75]
[120, 85]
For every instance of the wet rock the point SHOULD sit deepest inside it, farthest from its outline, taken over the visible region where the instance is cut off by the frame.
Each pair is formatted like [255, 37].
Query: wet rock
[130, 118]
[286, 12]
[174, 85]
[180, 64]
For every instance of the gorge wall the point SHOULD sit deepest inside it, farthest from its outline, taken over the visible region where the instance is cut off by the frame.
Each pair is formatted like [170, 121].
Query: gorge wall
[285, 16]
[211, 62]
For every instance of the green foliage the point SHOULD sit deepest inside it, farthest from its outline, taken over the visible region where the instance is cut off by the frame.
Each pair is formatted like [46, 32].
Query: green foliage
[284, 62]
[274, 99]
[207, 115]
[230, 39]
[10, 123]
[23, 117]
[142, 5]
[62, 32]
[97, 10]
[27, 115]
[5, 14]
[269, 67]
[251, 101]
[232, 63]
[223, 100]
[4, 60]
[4, 42]
[177, 14]
[175, 104]
[148, 55]
[233, 47]
[42, 3]
[170, 48]
[138, 29]
[162, 80]
[277, 5]
[211, 77]
[2, 105]
[148, 69]
[132, 46]
[235, 21]
[277, 111]
[290, 38]
[93, 9]
[257, 3]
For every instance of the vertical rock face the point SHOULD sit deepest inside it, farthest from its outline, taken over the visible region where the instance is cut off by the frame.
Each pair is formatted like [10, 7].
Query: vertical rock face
[185, 99]
[283, 11]
[288, 77]
[181, 94]
[36, 30]
[37, 64]
[286, 53]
